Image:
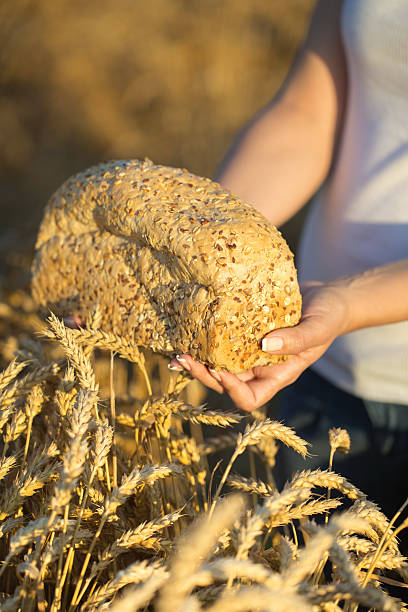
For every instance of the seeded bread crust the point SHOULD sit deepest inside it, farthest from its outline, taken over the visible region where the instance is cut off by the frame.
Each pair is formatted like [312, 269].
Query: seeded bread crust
[176, 262]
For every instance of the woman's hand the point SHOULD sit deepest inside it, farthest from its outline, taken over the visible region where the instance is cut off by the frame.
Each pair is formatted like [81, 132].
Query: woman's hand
[325, 316]
[377, 296]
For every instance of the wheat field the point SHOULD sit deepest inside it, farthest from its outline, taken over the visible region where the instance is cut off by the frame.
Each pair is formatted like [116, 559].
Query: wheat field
[108, 501]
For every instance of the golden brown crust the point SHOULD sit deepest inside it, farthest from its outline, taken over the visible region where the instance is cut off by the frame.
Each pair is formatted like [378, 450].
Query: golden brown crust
[176, 262]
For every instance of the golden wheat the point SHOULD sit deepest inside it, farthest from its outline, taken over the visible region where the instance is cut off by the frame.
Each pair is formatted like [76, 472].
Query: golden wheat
[71, 538]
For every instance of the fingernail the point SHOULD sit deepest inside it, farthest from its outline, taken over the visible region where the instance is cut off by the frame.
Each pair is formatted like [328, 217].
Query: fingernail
[272, 344]
[215, 374]
[175, 367]
[72, 321]
[183, 362]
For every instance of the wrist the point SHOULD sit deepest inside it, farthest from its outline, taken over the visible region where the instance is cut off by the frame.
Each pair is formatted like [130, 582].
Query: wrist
[330, 301]
[377, 296]
[342, 297]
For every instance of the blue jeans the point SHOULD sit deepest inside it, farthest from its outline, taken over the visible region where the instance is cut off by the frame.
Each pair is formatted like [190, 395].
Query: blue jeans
[378, 459]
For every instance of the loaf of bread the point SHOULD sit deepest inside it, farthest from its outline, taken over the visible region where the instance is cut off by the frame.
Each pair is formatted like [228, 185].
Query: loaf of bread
[177, 263]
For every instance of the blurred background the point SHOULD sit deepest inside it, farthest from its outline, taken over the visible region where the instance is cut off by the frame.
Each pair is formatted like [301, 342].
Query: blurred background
[172, 80]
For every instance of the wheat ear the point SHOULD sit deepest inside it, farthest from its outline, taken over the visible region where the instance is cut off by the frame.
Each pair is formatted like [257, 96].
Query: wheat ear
[193, 548]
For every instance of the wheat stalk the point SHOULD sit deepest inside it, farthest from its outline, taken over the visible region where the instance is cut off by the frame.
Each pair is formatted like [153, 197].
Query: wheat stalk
[140, 536]
[140, 597]
[255, 432]
[192, 549]
[326, 479]
[218, 443]
[147, 475]
[6, 465]
[74, 352]
[138, 572]
[11, 372]
[250, 485]
[25, 383]
[253, 598]
[68, 535]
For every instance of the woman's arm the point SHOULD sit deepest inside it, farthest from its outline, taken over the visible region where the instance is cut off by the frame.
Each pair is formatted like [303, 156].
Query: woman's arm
[284, 154]
[375, 297]
[276, 164]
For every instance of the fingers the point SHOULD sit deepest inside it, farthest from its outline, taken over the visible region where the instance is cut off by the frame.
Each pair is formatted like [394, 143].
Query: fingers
[309, 333]
[248, 396]
[240, 392]
[246, 376]
[215, 380]
[197, 370]
[249, 390]
[267, 381]
[73, 321]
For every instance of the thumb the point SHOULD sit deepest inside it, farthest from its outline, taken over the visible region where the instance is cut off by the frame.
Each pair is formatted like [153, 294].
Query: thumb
[310, 332]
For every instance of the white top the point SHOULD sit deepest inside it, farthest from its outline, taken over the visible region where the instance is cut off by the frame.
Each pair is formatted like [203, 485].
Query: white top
[359, 219]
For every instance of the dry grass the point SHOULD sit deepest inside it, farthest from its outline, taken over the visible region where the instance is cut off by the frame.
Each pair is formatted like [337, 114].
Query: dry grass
[107, 501]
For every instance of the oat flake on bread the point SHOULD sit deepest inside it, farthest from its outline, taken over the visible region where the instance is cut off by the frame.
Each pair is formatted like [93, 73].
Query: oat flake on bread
[177, 263]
